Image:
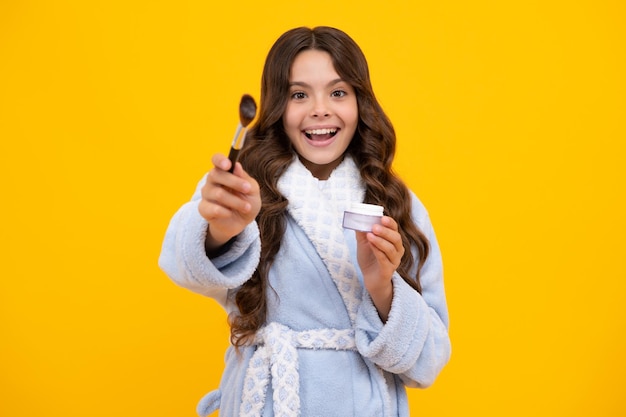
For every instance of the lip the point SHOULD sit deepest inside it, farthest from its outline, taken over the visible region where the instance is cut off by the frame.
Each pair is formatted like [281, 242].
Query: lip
[317, 142]
[314, 127]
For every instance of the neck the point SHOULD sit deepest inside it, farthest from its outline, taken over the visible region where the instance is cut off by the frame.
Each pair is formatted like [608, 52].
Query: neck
[321, 171]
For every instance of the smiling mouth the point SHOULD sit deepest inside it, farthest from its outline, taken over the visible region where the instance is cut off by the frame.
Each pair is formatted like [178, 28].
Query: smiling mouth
[320, 134]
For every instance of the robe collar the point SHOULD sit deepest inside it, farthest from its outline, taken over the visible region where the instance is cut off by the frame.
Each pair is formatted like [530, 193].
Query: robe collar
[318, 210]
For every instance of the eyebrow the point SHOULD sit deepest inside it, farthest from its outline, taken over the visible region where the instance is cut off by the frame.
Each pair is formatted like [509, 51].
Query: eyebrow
[303, 84]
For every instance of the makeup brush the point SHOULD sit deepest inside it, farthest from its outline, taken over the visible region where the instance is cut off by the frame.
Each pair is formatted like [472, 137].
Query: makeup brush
[247, 112]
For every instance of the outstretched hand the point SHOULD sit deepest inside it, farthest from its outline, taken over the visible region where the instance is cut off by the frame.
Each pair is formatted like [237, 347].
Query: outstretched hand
[379, 253]
[230, 201]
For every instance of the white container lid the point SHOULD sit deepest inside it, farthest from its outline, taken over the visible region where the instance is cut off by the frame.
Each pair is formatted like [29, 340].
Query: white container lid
[366, 209]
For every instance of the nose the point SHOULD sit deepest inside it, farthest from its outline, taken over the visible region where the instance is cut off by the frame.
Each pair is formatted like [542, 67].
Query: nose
[320, 108]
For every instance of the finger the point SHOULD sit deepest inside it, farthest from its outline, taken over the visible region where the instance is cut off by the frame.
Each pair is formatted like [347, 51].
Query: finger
[221, 174]
[390, 247]
[212, 212]
[228, 198]
[389, 222]
[382, 245]
[249, 184]
[390, 234]
[384, 263]
[215, 192]
[218, 177]
[221, 161]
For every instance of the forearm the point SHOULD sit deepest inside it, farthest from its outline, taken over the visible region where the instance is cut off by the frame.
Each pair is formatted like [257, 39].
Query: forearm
[412, 343]
[382, 298]
[183, 255]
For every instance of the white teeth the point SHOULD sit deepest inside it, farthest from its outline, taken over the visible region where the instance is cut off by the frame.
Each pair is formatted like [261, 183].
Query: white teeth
[320, 131]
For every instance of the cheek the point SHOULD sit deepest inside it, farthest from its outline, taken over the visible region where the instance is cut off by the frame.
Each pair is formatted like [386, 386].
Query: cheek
[356, 115]
[290, 119]
[291, 126]
[352, 117]
[352, 113]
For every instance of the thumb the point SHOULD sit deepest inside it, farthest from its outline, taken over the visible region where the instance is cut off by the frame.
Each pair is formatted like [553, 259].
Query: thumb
[361, 237]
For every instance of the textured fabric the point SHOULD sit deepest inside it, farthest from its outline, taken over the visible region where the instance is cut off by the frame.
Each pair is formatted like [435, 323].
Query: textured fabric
[315, 284]
[277, 358]
[321, 219]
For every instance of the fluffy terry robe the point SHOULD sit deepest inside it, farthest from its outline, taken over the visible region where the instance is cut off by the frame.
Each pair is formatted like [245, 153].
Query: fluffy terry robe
[323, 350]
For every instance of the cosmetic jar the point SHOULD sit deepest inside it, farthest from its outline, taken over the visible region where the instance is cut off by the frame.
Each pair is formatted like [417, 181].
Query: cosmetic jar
[362, 217]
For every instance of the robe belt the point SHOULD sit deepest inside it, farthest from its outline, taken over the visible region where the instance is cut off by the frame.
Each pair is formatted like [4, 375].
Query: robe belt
[276, 358]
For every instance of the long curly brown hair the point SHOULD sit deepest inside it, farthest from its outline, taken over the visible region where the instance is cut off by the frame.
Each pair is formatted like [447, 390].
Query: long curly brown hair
[268, 152]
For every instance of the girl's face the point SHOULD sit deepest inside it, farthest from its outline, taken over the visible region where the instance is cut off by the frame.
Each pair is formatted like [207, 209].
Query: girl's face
[322, 113]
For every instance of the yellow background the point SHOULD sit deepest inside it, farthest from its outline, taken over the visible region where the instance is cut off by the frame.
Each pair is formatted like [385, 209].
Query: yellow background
[510, 121]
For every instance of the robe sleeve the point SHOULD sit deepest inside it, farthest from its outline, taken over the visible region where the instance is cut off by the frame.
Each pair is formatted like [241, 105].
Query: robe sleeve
[183, 257]
[414, 342]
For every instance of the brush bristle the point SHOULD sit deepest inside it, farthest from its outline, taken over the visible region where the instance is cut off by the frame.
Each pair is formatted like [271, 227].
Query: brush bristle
[247, 110]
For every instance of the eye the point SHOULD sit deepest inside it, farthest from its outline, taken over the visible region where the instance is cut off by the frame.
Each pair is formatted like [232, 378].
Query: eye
[298, 95]
[338, 93]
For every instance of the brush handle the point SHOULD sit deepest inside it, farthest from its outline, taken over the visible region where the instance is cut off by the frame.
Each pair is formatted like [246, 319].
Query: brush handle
[235, 147]
[233, 155]
[237, 137]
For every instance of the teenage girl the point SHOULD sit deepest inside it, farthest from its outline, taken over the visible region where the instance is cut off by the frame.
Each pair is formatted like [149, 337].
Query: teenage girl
[325, 321]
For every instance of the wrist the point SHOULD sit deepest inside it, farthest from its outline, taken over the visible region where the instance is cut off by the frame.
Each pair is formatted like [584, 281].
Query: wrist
[214, 242]
[382, 296]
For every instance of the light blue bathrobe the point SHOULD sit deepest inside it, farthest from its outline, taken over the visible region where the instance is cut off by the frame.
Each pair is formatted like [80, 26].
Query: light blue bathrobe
[324, 350]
